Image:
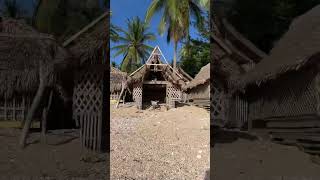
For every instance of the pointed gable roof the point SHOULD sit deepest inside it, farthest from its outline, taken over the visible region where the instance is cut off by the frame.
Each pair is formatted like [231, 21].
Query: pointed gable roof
[171, 74]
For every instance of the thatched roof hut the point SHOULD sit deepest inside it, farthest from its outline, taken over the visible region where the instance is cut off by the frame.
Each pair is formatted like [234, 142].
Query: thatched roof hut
[116, 78]
[201, 78]
[157, 80]
[283, 90]
[233, 55]
[90, 47]
[22, 51]
[299, 47]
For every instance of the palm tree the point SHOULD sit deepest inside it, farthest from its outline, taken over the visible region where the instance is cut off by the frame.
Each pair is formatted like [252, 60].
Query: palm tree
[176, 17]
[133, 45]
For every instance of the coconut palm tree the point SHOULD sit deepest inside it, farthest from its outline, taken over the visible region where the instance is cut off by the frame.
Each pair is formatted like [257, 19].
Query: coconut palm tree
[133, 45]
[176, 19]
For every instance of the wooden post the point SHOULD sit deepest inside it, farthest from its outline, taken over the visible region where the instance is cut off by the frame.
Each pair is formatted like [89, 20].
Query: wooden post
[34, 106]
[45, 118]
[14, 109]
[5, 108]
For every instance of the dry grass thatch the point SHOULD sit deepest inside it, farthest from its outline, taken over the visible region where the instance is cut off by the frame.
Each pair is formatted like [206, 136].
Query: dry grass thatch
[296, 48]
[116, 78]
[232, 53]
[22, 51]
[201, 78]
[89, 44]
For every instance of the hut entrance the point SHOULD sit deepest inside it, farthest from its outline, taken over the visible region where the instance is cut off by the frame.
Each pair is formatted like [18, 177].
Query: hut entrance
[154, 92]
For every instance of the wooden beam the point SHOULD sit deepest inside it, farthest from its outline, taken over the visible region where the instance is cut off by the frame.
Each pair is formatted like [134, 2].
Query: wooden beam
[155, 82]
[67, 42]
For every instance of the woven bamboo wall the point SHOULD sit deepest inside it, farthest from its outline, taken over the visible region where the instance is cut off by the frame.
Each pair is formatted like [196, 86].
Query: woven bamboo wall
[137, 94]
[218, 102]
[292, 95]
[89, 106]
[174, 94]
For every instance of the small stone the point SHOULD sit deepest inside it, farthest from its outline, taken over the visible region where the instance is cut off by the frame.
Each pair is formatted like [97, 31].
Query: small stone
[200, 151]
[199, 156]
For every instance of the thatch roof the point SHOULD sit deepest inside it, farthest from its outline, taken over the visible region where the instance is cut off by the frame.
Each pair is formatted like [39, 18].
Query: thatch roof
[232, 53]
[116, 78]
[89, 43]
[22, 50]
[296, 48]
[169, 73]
[201, 78]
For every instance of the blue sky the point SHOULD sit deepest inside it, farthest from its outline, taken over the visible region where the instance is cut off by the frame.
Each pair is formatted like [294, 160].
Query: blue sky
[124, 9]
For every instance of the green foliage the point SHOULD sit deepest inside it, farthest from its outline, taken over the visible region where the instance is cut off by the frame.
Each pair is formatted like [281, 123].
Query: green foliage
[194, 55]
[63, 18]
[10, 8]
[133, 45]
[264, 22]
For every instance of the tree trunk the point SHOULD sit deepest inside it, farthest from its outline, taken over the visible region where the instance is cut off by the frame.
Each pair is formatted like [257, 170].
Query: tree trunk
[45, 118]
[34, 106]
[175, 55]
[122, 90]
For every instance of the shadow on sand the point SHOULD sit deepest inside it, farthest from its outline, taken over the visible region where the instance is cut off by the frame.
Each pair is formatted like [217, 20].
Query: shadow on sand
[207, 176]
[219, 135]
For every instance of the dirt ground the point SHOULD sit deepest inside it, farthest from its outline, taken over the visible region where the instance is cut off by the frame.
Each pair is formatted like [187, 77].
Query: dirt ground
[241, 156]
[61, 158]
[160, 144]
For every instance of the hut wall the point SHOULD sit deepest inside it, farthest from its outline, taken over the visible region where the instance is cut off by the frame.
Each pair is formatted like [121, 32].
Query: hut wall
[291, 95]
[219, 103]
[137, 94]
[89, 106]
[14, 109]
[238, 111]
[174, 94]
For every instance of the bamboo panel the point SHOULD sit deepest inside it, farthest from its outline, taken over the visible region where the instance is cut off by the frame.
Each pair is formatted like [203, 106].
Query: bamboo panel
[88, 93]
[292, 97]
[90, 131]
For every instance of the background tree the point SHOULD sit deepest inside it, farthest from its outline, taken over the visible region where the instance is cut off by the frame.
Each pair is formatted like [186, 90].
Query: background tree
[194, 55]
[63, 18]
[10, 8]
[176, 19]
[133, 45]
[264, 22]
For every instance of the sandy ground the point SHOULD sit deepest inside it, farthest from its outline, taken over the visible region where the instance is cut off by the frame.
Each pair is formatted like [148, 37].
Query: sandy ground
[61, 158]
[244, 157]
[160, 144]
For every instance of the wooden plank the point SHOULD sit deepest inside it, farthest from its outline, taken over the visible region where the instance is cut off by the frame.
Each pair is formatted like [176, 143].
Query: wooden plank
[309, 137]
[67, 42]
[80, 118]
[293, 124]
[99, 141]
[87, 129]
[155, 82]
[95, 133]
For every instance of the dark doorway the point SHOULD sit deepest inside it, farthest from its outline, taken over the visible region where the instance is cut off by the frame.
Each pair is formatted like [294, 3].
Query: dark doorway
[153, 92]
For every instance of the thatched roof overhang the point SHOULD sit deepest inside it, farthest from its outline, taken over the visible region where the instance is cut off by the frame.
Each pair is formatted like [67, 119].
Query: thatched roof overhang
[299, 47]
[22, 52]
[201, 78]
[90, 44]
